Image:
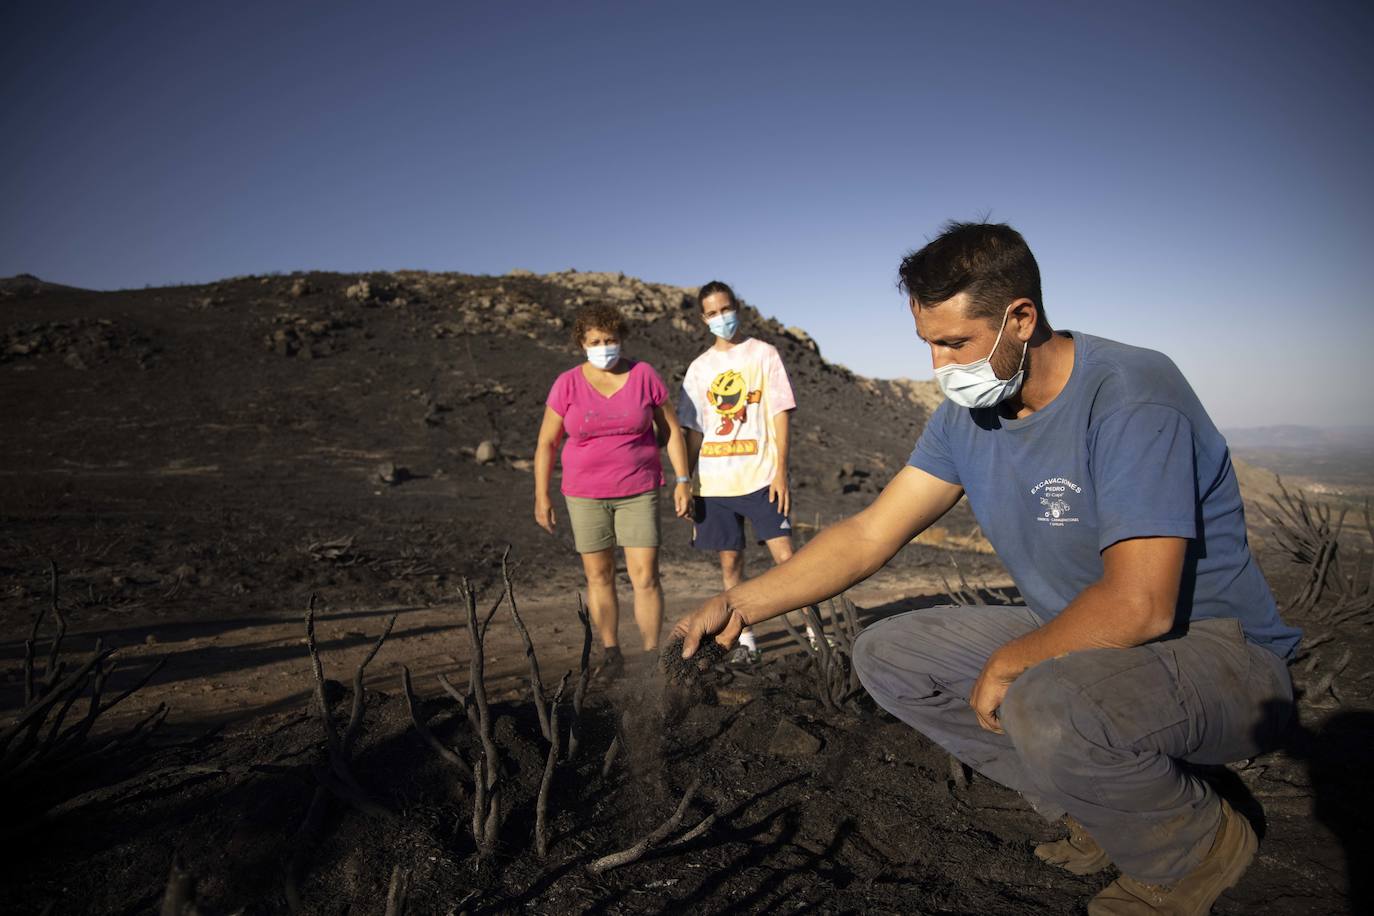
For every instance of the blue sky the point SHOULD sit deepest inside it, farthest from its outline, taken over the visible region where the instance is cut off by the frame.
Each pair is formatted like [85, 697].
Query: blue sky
[1192, 177]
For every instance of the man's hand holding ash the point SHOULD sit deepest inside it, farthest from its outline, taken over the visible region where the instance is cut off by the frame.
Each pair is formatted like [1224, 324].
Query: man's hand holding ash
[714, 619]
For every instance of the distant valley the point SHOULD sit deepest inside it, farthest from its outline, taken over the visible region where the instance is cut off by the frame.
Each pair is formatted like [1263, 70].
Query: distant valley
[1334, 460]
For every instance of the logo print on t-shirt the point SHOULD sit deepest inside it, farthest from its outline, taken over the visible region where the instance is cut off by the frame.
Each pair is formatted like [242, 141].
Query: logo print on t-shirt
[1054, 493]
[728, 394]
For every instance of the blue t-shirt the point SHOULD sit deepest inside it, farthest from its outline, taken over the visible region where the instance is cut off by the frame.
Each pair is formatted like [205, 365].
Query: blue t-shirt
[1126, 450]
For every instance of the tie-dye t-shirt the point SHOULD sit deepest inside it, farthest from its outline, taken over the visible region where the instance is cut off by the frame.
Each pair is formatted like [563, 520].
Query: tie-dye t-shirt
[730, 397]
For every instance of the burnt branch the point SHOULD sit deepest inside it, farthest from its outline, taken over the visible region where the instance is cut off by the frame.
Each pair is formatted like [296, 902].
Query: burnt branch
[477, 666]
[706, 824]
[338, 776]
[486, 808]
[583, 678]
[398, 892]
[611, 753]
[355, 718]
[541, 843]
[448, 754]
[486, 621]
[659, 834]
[303, 844]
[824, 662]
[179, 898]
[1311, 533]
[536, 682]
[806, 647]
[330, 733]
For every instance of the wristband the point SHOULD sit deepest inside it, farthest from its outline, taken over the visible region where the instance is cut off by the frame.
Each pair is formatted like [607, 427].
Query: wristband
[681, 479]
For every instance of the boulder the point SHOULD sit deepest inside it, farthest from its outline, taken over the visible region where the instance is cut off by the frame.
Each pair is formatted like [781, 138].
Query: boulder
[391, 474]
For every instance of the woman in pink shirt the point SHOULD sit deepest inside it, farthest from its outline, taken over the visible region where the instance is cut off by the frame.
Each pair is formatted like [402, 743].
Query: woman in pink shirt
[612, 411]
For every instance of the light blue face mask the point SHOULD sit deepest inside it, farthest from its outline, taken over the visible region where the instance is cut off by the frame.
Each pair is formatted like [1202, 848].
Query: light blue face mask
[725, 324]
[975, 384]
[603, 357]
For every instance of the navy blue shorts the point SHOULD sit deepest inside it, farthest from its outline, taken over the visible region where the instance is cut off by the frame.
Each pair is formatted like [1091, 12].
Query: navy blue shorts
[719, 520]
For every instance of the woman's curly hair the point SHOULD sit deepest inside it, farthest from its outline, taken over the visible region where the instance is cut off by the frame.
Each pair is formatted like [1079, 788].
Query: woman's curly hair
[598, 317]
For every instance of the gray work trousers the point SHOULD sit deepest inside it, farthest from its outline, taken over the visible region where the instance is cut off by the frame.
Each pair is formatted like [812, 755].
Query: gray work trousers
[1097, 734]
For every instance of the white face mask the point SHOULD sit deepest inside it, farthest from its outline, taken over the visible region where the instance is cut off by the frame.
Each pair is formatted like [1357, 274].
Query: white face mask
[603, 357]
[975, 384]
[725, 324]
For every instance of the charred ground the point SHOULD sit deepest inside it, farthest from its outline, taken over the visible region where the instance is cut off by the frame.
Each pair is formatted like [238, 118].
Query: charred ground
[199, 459]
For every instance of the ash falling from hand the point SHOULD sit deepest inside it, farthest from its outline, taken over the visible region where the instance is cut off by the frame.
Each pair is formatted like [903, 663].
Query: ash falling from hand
[686, 679]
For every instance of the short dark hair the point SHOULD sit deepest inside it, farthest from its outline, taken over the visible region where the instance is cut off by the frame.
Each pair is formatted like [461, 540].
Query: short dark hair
[715, 286]
[989, 261]
[598, 317]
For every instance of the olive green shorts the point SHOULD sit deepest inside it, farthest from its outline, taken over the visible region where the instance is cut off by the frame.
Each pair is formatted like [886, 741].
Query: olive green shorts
[625, 521]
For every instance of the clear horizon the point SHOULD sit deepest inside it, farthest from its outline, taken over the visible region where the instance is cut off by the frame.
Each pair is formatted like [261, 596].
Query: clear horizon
[1192, 179]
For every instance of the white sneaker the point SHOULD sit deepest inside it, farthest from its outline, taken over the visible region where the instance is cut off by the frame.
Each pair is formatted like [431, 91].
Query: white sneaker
[811, 638]
[743, 656]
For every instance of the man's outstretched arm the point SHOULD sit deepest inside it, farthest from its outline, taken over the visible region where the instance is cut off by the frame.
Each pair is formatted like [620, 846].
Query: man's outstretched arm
[841, 555]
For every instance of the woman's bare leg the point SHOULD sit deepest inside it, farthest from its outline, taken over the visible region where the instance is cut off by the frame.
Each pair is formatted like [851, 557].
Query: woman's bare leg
[642, 563]
[601, 598]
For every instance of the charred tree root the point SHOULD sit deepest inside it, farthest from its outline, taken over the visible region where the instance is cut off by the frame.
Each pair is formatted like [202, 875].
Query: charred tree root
[486, 801]
[536, 682]
[482, 779]
[338, 777]
[831, 653]
[661, 833]
[1307, 532]
[611, 753]
[446, 753]
[965, 594]
[398, 893]
[179, 899]
[583, 678]
[541, 809]
[335, 777]
[40, 742]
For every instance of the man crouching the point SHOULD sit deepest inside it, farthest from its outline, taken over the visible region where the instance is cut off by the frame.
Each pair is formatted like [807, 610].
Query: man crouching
[1149, 636]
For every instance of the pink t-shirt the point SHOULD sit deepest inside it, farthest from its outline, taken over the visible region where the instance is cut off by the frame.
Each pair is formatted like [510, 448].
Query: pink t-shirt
[611, 450]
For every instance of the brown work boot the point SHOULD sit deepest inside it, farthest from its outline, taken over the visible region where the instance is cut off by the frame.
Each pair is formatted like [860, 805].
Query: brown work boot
[1077, 853]
[1193, 894]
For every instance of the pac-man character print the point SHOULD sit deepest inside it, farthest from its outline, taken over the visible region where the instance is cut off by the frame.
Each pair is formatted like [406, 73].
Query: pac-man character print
[728, 394]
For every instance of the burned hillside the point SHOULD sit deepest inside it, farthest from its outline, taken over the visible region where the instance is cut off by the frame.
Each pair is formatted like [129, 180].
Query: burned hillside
[367, 433]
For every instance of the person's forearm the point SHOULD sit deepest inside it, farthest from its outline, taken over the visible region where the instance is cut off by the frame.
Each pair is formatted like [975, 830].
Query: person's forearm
[1101, 617]
[831, 562]
[694, 440]
[781, 437]
[677, 451]
[543, 468]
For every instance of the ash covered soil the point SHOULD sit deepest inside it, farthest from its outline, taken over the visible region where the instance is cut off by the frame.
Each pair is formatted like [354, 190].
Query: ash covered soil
[198, 460]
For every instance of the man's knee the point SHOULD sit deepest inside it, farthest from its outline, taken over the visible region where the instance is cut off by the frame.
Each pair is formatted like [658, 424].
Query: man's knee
[886, 672]
[1044, 716]
[864, 658]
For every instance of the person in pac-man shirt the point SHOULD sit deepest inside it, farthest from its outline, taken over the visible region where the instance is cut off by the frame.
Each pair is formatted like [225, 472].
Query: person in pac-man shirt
[735, 405]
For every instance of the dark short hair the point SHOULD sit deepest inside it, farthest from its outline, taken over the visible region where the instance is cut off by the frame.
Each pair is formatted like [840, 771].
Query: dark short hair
[715, 286]
[598, 317]
[989, 261]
